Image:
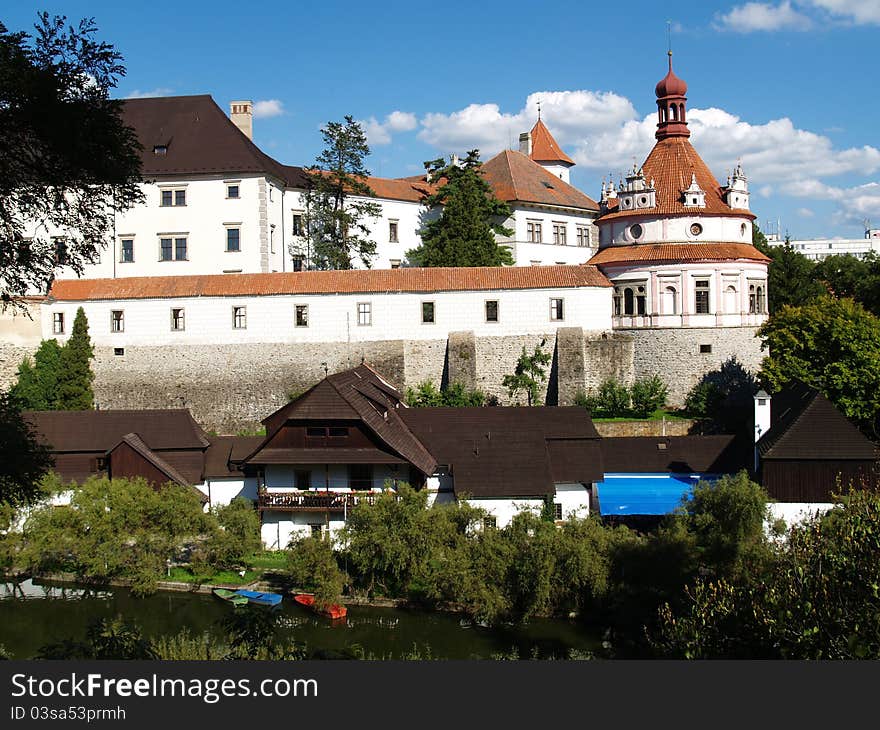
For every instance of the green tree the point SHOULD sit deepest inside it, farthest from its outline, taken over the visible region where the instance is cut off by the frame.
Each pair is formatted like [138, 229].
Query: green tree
[791, 276]
[849, 276]
[832, 345]
[529, 374]
[105, 639]
[427, 395]
[25, 460]
[75, 375]
[37, 386]
[337, 200]
[313, 566]
[238, 537]
[723, 396]
[648, 394]
[52, 83]
[471, 215]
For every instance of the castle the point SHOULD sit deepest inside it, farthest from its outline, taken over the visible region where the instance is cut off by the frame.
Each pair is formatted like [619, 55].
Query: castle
[201, 300]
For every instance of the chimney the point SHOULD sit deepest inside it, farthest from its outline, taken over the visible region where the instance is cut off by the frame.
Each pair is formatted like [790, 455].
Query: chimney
[525, 143]
[762, 419]
[242, 115]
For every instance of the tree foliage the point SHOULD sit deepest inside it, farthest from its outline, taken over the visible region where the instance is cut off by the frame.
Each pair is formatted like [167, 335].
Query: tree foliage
[25, 459]
[470, 217]
[616, 400]
[238, 536]
[313, 566]
[67, 160]
[427, 395]
[529, 374]
[338, 209]
[832, 345]
[817, 599]
[37, 386]
[723, 396]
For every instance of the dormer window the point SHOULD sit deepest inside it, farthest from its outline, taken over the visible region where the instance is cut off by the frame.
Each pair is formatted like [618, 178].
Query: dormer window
[160, 149]
[694, 196]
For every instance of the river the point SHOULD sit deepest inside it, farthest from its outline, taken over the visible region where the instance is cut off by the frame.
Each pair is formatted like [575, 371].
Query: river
[32, 615]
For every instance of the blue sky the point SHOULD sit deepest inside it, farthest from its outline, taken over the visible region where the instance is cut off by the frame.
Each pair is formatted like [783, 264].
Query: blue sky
[786, 86]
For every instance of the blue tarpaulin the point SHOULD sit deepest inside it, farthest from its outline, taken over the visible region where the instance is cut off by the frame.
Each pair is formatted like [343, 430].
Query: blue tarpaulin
[645, 494]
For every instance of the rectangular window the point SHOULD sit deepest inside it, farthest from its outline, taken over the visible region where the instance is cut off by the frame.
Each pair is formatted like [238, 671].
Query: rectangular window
[560, 234]
[297, 263]
[180, 249]
[427, 312]
[126, 254]
[314, 432]
[395, 263]
[172, 197]
[583, 236]
[239, 318]
[117, 321]
[492, 310]
[233, 239]
[337, 432]
[533, 231]
[490, 522]
[365, 313]
[60, 251]
[557, 511]
[58, 323]
[303, 478]
[118, 351]
[177, 320]
[360, 476]
[705, 349]
[392, 231]
[165, 250]
[701, 296]
[302, 315]
[316, 529]
[556, 310]
[297, 229]
[272, 238]
[232, 190]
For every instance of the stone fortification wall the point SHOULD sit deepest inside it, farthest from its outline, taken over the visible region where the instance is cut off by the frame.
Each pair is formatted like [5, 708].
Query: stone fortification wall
[230, 388]
[675, 354]
[20, 336]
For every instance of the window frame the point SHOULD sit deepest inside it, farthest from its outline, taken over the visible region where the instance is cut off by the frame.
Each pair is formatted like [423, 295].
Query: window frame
[433, 309]
[534, 231]
[229, 227]
[57, 323]
[297, 223]
[230, 184]
[368, 312]
[242, 309]
[560, 233]
[117, 324]
[702, 295]
[486, 303]
[181, 320]
[393, 230]
[174, 193]
[561, 309]
[122, 241]
[296, 315]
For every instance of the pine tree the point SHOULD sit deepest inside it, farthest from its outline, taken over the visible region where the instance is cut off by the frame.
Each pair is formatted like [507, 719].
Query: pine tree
[464, 233]
[37, 386]
[336, 209]
[76, 376]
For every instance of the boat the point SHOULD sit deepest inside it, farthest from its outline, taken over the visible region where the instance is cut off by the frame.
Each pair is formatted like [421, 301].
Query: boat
[231, 596]
[334, 610]
[261, 598]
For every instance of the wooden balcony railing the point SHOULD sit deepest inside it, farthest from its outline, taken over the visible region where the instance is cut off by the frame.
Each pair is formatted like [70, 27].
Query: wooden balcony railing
[313, 501]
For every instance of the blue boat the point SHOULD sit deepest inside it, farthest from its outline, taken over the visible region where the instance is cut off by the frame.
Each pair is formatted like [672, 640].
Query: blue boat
[260, 598]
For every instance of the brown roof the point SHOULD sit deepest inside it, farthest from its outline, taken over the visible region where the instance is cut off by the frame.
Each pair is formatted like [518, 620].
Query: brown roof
[505, 452]
[329, 282]
[671, 164]
[98, 431]
[199, 138]
[358, 393]
[722, 454]
[137, 443]
[411, 190]
[545, 148]
[328, 455]
[224, 451]
[805, 425]
[672, 252]
[514, 177]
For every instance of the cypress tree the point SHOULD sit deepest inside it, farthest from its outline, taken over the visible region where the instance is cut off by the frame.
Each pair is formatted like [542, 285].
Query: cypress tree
[75, 375]
[37, 386]
[464, 233]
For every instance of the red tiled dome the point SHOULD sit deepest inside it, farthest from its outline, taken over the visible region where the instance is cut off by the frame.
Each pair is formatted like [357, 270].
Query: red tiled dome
[670, 85]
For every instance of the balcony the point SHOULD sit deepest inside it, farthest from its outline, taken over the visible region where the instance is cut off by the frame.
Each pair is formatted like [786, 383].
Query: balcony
[314, 501]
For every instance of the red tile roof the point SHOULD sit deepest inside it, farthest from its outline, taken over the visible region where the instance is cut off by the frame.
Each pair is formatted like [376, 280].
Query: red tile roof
[671, 164]
[675, 252]
[199, 138]
[516, 178]
[545, 148]
[414, 191]
[329, 282]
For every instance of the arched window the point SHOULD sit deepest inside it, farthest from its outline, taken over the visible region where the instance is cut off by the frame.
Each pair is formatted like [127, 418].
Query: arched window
[674, 110]
[681, 112]
[670, 300]
[759, 300]
[730, 299]
[640, 301]
[617, 301]
[753, 304]
[628, 301]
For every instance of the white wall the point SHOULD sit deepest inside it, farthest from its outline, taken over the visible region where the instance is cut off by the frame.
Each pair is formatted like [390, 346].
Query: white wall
[546, 253]
[794, 512]
[223, 491]
[716, 229]
[280, 478]
[574, 498]
[334, 317]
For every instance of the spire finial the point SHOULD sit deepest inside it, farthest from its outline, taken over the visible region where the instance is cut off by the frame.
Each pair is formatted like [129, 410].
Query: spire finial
[539, 110]
[669, 42]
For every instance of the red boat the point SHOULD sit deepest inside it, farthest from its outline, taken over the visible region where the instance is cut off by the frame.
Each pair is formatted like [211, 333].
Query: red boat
[334, 610]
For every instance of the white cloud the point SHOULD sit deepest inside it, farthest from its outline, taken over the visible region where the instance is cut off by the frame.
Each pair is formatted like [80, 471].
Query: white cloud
[765, 191]
[805, 213]
[268, 108]
[853, 204]
[572, 116]
[861, 12]
[756, 16]
[379, 133]
[159, 91]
